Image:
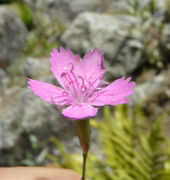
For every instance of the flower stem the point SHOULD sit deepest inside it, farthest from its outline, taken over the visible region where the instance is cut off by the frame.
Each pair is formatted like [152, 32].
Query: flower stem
[84, 166]
[84, 139]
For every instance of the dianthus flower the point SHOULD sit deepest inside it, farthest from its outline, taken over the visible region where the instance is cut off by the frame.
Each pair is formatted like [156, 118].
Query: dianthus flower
[82, 89]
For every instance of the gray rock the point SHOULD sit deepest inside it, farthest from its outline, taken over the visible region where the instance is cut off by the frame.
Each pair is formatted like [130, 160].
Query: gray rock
[149, 89]
[110, 33]
[22, 111]
[34, 67]
[126, 5]
[31, 114]
[66, 10]
[60, 10]
[12, 36]
[2, 76]
[8, 100]
[166, 42]
[153, 96]
[4, 79]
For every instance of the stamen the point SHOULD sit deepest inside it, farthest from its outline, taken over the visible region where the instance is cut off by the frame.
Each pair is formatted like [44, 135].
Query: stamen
[82, 81]
[79, 88]
[83, 88]
[69, 80]
[74, 76]
[71, 66]
[63, 74]
[66, 82]
[71, 83]
[91, 84]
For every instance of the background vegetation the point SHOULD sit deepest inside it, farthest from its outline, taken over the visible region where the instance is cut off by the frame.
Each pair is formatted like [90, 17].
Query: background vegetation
[131, 142]
[130, 150]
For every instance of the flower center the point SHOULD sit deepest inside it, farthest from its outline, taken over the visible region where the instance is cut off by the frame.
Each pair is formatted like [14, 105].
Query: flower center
[74, 84]
[77, 86]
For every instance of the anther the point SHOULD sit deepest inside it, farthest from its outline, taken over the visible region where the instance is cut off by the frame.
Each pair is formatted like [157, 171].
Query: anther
[63, 74]
[83, 89]
[65, 68]
[71, 66]
[82, 81]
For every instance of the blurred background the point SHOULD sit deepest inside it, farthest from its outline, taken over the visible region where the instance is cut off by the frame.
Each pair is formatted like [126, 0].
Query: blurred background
[129, 142]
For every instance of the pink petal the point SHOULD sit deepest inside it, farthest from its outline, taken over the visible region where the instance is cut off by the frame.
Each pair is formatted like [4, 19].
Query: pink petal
[93, 67]
[49, 92]
[113, 94]
[60, 61]
[80, 111]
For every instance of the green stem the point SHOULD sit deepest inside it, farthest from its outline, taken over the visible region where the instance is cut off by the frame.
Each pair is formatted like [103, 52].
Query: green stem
[84, 139]
[84, 167]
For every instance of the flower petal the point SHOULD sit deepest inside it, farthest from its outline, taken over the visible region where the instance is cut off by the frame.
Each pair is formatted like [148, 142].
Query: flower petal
[113, 94]
[61, 60]
[49, 92]
[93, 67]
[80, 111]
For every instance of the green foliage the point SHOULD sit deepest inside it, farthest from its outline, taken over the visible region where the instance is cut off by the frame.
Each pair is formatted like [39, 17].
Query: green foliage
[132, 148]
[67, 159]
[142, 9]
[39, 155]
[23, 11]
[26, 14]
[131, 151]
[44, 37]
[38, 45]
[152, 30]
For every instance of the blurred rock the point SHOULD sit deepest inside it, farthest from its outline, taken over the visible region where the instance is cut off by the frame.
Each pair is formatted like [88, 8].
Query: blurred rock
[7, 104]
[59, 10]
[166, 41]
[12, 36]
[23, 113]
[138, 5]
[2, 76]
[31, 114]
[110, 33]
[153, 96]
[4, 79]
[68, 9]
[149, 89]
[34, 67]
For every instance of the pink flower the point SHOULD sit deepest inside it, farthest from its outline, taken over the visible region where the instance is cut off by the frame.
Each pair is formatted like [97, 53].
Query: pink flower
[82, 88]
